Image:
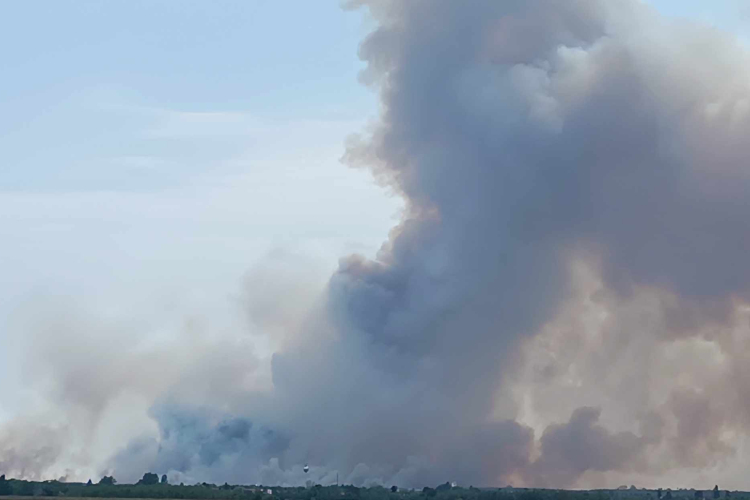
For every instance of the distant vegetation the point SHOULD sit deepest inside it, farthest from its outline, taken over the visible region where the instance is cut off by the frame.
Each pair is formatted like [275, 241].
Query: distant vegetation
[151, 486]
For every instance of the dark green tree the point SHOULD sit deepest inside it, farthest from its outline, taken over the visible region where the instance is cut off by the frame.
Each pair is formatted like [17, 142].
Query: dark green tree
[716, 491]
[149, 478]
[5, 488]
[164, 479]
[394, 489]
[108, 481]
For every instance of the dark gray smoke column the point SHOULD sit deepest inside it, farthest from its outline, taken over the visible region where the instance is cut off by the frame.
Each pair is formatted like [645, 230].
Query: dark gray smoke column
[471, 139]
[523, 135]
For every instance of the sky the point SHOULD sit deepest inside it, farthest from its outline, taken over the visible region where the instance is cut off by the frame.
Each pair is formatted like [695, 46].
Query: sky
[178, 187]
[156, 151]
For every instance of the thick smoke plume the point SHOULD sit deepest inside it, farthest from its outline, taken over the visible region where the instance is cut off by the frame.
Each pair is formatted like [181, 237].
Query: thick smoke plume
[564, 302]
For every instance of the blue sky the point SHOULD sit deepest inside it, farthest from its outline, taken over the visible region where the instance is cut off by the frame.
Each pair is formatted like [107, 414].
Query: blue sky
[152, 152]
[729, 15]
[86, 74]
[124, 117]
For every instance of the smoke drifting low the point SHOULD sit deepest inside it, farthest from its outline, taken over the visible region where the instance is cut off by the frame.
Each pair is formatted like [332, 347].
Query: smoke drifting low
[564, 302]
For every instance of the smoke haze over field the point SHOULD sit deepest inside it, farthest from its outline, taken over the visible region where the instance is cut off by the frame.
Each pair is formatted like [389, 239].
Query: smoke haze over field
[565, 302]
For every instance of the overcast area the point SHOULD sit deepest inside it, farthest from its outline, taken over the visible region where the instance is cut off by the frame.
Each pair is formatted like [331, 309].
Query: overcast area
[402, 242]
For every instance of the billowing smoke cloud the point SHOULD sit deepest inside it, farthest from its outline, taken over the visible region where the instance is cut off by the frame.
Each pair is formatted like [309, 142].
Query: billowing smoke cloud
[568, 450]
[563, 303]
[198, 442]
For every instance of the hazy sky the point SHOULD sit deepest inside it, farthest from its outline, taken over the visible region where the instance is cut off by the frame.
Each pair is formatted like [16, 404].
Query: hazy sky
[157, 155]
[154, 151]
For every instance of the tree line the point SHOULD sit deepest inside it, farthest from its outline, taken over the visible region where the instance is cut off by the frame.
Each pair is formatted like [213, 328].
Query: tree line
[152, 486]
